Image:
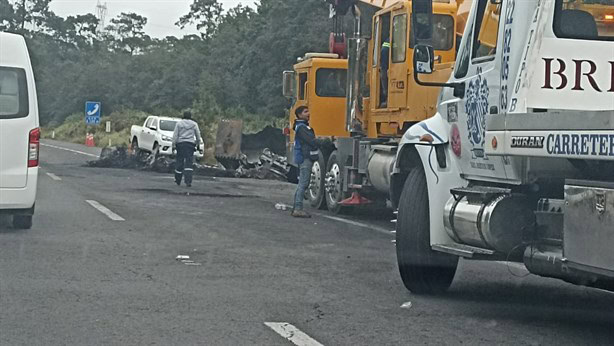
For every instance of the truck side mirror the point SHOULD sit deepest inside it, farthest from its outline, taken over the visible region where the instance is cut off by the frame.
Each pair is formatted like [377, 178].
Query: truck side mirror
[424, 59]
[422, 21]
[288, 84]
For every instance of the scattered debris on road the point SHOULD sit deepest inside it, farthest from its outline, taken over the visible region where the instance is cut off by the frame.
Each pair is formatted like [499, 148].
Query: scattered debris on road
[282, 206]
[186, 260]
[406, 305]
[268, 165]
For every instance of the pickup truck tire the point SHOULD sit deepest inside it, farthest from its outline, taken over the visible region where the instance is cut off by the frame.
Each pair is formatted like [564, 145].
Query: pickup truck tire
[422, 270]
[334, 185]
[316, 191]
[22, 221]
[135, 145]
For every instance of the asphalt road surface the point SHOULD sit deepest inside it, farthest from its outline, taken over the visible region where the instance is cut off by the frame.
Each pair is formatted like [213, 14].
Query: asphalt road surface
[99, 267]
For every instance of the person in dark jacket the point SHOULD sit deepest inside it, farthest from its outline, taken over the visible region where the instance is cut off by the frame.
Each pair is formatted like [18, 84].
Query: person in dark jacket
[385, 64]
[305, 153]
[186, 139]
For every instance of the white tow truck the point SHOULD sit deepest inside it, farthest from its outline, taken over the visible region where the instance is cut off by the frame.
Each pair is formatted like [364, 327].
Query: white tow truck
[156, 136]
[518, 162]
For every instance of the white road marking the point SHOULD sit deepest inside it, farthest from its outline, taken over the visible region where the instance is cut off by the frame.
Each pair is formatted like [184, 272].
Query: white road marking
[71, 150]
[292, 333]
[54, 177]
[101, 208]
[359, 224]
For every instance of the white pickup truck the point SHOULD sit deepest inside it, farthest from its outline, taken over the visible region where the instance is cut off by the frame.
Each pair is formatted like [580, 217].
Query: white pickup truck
[156, 136]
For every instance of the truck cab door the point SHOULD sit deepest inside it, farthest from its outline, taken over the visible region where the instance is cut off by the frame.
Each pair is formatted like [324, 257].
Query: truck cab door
[478, 68]
[397, 73]
[145, 138]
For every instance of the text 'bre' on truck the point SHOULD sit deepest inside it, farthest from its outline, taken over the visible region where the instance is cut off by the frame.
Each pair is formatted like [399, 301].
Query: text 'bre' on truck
[368, 98]
[518, 162]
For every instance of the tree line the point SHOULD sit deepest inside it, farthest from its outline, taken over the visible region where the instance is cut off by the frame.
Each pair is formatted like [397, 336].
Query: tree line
[233, 67]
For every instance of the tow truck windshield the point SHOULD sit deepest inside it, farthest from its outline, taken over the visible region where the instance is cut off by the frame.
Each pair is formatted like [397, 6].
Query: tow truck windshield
[585, 20]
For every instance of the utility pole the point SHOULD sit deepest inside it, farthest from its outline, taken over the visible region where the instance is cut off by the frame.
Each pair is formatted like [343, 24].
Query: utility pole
[101, 13]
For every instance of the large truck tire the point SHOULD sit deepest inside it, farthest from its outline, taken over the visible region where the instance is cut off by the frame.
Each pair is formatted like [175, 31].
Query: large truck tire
[422, 270]
[316, 191]
[334, 188]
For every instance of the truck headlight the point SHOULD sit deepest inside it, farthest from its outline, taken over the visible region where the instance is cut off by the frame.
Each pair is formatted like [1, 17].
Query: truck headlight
[167, 138]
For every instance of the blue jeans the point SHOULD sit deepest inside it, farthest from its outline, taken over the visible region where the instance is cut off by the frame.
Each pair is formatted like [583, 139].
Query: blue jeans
[303, 183]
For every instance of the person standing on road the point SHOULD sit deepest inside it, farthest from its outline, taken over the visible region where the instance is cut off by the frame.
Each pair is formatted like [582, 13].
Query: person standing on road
[305, 153]
[186, 139]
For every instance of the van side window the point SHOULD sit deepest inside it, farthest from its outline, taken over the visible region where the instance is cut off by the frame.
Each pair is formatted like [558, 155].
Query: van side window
[302, 79]
[399, 38]
[14, 101]
[486, 31]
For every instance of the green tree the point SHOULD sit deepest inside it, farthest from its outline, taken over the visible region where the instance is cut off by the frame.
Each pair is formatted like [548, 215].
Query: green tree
[8, 17]
[206, 14]
[127, 32]
[35, 12]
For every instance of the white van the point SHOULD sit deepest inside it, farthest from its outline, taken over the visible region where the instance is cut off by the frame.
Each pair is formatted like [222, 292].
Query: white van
[19, 132]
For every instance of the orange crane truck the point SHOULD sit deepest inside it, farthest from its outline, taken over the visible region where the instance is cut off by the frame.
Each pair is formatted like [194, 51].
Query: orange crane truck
[365, 107]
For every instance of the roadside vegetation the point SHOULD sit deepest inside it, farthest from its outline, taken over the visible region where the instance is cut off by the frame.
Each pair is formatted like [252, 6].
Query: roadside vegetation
[233, 69]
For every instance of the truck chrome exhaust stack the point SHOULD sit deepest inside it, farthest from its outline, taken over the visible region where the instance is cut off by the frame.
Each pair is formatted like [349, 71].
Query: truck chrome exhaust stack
[498, 223]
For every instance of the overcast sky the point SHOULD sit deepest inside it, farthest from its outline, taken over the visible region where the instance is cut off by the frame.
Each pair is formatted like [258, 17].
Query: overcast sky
[161, 14]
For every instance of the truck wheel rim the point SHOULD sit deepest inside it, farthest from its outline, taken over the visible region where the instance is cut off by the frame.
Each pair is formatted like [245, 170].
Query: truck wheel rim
[316, 181]
[333, 184]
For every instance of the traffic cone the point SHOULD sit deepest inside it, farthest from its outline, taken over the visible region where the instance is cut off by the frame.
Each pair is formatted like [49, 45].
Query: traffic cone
[89, 140]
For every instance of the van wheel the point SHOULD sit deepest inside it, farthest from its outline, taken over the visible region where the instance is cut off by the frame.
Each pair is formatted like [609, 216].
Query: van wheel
[334, 185]
[315, 193]
[22, 221]
[422, 270]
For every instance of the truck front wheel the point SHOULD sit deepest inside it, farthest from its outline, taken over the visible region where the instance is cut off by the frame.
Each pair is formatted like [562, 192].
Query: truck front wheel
[422, 270]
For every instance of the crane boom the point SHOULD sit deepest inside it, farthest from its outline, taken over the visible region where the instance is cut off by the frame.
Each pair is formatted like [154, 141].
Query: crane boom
[342, 6]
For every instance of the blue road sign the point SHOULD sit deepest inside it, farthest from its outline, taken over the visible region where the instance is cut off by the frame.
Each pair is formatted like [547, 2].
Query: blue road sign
[92, 113]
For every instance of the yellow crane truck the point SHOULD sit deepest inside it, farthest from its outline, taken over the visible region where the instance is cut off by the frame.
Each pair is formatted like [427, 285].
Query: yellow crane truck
[365, 113]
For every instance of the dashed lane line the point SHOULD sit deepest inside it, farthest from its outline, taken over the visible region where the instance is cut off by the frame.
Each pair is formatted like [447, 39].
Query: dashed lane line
[71, 150]
[292, 334]
[54, 177]
[356, 223]
[101, 208]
